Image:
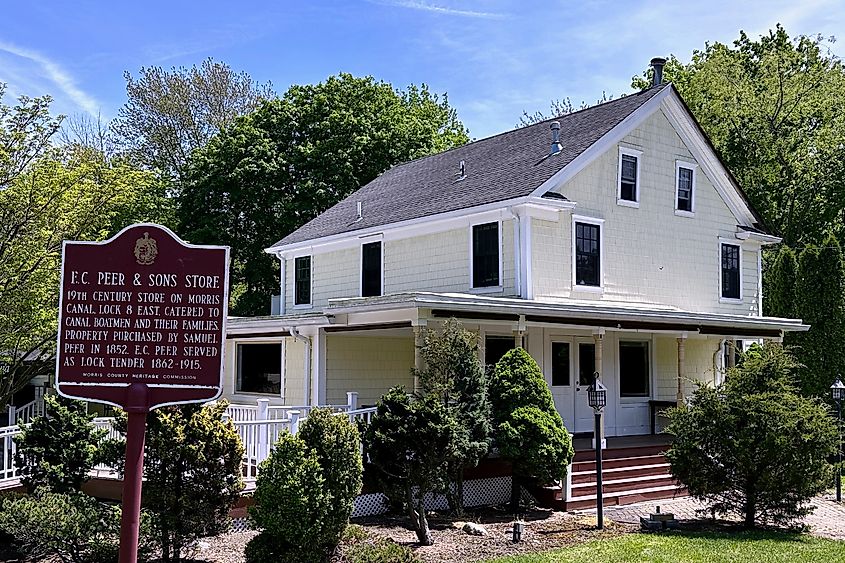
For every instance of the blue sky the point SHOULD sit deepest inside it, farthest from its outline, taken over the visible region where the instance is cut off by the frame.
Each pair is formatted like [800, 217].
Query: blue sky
[495, 58]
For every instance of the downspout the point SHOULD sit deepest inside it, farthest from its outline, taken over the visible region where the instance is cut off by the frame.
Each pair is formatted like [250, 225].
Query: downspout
[282, 284]
[307, 371]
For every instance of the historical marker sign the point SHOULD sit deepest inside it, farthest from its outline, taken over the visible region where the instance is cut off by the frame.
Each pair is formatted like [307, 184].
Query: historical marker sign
[142, 324]
[143, 307]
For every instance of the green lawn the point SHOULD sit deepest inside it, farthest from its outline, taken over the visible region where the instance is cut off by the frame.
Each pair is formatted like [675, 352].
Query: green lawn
[695, 547]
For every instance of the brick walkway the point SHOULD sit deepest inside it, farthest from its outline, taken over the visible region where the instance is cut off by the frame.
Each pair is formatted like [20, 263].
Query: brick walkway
[827, 521]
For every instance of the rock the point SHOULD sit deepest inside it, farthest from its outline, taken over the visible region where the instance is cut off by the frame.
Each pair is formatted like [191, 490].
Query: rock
[474, 529]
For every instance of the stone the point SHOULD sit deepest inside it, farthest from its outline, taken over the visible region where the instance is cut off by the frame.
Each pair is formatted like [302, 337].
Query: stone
[474, 529]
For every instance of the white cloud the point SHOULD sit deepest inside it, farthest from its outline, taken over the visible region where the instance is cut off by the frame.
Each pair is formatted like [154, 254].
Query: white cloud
[436, 8]
[56, 74]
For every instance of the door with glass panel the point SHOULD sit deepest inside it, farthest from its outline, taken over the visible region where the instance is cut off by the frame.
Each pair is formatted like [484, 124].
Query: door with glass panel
[559, 378]
[586, 361]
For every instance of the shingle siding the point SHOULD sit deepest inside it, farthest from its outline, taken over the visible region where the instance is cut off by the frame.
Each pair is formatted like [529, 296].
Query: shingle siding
[369, 365]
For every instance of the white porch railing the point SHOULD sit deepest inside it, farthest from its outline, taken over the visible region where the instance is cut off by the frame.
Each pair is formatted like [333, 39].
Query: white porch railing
[8, 470]
[25, 413]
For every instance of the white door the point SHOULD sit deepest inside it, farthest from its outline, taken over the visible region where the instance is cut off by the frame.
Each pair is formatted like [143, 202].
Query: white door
[586, 362]
[560, 378]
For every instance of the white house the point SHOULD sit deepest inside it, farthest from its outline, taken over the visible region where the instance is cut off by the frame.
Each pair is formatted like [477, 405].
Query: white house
[610, 240]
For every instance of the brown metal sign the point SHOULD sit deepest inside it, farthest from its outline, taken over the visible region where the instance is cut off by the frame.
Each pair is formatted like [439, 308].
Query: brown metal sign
[142, 308]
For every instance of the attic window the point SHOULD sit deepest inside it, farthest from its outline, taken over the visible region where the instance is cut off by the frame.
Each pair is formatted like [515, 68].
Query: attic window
[684, 188]
[628, 192]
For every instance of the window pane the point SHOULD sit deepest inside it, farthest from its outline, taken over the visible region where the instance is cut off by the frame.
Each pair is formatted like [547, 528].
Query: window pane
[629, 178]
[495, 347]
[634, 373]
[485, 255]
[730, 271]
[560, 363]
[586, 363]
[684, 189]
[260, 368]
[302, 280]
[587, 258]
[371, 269]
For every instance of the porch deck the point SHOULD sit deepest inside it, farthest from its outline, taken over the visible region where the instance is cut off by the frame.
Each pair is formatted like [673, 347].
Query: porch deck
[582, 443]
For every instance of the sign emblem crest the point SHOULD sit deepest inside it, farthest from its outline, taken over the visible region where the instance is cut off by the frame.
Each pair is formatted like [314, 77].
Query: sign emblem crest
[146, 250]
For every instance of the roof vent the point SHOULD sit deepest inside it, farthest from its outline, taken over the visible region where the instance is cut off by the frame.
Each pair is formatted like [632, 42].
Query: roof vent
[556, 146]
[360, 212]
[657, 76]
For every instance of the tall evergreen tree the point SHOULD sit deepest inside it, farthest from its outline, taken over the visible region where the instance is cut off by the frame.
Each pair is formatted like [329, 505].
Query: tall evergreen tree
[820, 292]
[779, 281]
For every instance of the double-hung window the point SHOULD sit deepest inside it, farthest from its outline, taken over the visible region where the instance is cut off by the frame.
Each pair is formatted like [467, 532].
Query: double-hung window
[371, 269]
[587, 254]
[628, 192]
[485, 255]
[684, 189]
[634, 370]
[731, 262]
[302, 280]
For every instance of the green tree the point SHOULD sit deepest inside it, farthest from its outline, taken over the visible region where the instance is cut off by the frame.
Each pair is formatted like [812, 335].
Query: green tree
[48, 195]
[820, 292]
[192, 473]
[294, 157]
[409, 443]
[775, 111]
[753, 446]
[453, 373]
[780, 280]
[58, 450]
[526, 425]
[170, 113]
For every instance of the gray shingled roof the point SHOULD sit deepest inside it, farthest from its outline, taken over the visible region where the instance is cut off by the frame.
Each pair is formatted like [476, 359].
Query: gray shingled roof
[498, 168]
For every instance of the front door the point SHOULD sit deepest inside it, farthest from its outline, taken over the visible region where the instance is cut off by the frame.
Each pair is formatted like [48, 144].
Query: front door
[586, 368]
[560, 380]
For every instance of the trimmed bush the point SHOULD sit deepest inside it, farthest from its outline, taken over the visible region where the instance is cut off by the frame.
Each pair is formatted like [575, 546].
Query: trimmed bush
[337, 445]
[410, 442]
[192, 471]
[58, 450]
[753, 446]
[526, 425]
[73, 527]
[292, 505]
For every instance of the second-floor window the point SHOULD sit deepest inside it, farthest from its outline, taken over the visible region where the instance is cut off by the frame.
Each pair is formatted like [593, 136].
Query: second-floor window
[302, 281]
[371, 269]
[628, 192]
[587, 254]
[485, 255]
[685, 191]
[731, 288]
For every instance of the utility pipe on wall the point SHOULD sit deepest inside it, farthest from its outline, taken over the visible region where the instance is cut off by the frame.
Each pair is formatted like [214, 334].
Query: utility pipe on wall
[307, 371]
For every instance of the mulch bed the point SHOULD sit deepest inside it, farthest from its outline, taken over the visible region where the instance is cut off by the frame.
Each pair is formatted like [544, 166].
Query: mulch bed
[544, 530]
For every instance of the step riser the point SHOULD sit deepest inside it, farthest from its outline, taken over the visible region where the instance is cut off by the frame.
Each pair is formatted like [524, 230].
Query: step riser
[627, 473]
[616, 500]
[590, 455]
[590, 488]
[618, 462]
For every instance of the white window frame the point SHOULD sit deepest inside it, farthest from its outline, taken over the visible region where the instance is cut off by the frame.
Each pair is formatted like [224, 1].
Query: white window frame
[625, 151]
[591, 221]
[361, 266]
[627, 399]
[310, 303]
[690, 166]
[723, 242]
[493, 288]
[236, 365]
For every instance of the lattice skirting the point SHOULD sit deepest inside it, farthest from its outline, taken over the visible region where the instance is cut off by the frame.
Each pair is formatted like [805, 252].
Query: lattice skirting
[477, 492]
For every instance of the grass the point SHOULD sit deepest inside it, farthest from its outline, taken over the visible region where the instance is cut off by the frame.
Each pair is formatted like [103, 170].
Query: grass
[695, 547]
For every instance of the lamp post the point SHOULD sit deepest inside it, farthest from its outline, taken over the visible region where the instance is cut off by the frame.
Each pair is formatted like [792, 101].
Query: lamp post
[597, 399]
[837, 392]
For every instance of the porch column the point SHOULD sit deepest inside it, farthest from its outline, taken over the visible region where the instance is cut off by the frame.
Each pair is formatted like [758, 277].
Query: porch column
[318, 368]
[418, 357]
[519, 333]
[681, 368]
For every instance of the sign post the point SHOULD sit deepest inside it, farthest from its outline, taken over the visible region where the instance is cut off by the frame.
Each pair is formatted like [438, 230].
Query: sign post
[142, 320]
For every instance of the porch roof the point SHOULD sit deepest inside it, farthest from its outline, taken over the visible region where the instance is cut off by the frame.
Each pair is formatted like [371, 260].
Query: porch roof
[579, 313]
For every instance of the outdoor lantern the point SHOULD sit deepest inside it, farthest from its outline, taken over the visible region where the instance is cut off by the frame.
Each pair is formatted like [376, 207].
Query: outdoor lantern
[597, 395]
[518, 527]
[837, 390]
